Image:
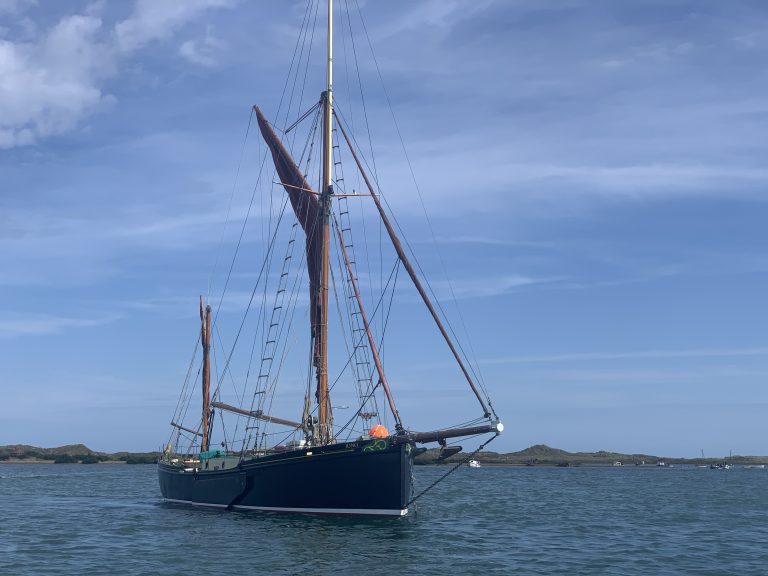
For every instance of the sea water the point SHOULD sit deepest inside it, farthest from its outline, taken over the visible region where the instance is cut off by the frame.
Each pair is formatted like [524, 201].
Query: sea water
[109, 519]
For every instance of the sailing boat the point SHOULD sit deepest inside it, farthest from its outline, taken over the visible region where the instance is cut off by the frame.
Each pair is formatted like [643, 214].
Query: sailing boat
[317, 472]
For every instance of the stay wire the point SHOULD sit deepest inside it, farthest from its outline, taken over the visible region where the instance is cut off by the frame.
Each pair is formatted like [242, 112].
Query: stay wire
[229, 207]
[182, 402]
[421, 270]
[474, 364]
[370, 144]
[188, 376]
[253, 293]
[299, 42]
[349, 359]
[263, 161]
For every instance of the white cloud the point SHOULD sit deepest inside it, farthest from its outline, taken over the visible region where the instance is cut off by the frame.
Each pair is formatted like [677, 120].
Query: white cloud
[48, 87]
[40, 247]
[640, 354]
[202, 52]
[518, 179]
[51, 83]
[439, 14]
[648, 178]
[159, 20]
[41, 324]
[15, 6]
[485, 287]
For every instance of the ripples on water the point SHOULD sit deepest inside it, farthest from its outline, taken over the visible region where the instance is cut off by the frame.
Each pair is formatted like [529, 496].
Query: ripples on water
[101, 519]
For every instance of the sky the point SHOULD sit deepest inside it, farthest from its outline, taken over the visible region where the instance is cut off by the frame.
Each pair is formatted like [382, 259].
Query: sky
[590, 207]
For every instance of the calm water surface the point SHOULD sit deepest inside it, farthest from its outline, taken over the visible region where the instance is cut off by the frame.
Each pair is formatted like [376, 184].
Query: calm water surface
[101, 519]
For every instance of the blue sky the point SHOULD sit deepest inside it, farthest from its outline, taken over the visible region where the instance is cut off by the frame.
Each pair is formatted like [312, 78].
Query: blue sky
[593, 172]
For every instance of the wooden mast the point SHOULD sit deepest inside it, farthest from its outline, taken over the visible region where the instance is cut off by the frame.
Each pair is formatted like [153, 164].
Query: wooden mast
[324, 405]
[205, 339]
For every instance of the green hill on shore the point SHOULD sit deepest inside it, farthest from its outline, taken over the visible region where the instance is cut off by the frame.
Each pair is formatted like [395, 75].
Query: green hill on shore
[542, 455]
[71, 454]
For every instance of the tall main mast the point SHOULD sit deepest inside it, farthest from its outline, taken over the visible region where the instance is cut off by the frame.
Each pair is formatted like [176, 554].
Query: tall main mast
[324, 405]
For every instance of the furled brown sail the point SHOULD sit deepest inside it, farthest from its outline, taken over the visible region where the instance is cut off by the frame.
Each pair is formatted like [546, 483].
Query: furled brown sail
[307, 209]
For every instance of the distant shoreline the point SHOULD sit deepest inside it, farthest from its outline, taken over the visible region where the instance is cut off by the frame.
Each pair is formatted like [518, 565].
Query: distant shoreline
[71, 454]
[38, 461]
[687, 466]
[538, 455]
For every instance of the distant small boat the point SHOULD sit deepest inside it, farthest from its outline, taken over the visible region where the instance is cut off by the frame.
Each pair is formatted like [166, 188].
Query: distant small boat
[724, 465]
[617, 463]
[474, 464]
[661, 463]
[756, 466]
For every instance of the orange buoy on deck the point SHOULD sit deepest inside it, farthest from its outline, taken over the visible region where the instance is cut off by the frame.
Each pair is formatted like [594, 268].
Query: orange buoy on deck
[378, 431]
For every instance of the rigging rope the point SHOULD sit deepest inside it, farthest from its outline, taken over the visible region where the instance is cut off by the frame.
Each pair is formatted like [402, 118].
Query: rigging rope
[349, 359]
[474, 365]
[452, 470]
[229, 206]
[304, 41]
[301, 43]
[179, 404]
[423, 275]
[253, 293]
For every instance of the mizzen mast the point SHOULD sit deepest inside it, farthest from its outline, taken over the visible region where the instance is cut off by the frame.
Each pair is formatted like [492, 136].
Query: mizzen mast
[205, 339]
[323, 400]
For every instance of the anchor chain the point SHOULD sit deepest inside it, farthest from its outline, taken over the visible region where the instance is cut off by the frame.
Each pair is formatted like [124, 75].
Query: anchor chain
[452, 470]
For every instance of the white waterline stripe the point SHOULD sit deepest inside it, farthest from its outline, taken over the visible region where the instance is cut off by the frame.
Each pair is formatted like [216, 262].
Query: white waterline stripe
[370, 511]
[195, 503]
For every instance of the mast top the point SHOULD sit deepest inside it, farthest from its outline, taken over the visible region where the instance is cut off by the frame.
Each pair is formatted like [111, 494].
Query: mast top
[329, 72]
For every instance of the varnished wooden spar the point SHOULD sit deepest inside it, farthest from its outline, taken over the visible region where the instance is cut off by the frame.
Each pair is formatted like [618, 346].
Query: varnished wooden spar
[205, 338]
[256, 414]
[411, 272]
[323, 399]
[440, 435]
[180, 427]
